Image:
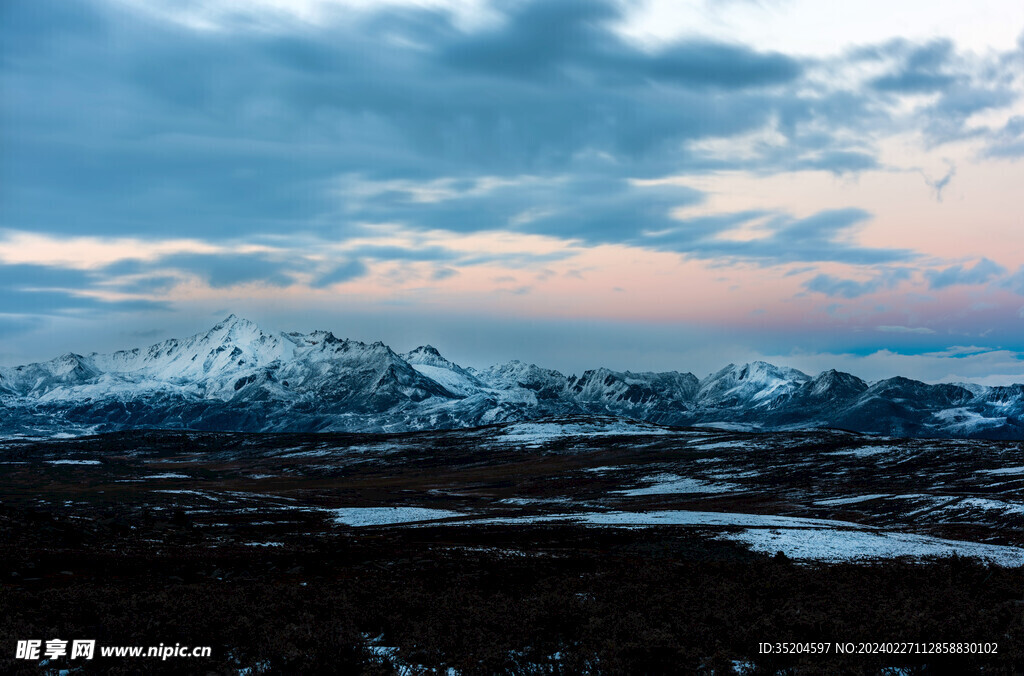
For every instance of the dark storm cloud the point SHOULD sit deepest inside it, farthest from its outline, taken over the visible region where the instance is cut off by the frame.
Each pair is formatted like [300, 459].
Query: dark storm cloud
[113, 123]
[120, 124]
[548, 39]
[536, 39]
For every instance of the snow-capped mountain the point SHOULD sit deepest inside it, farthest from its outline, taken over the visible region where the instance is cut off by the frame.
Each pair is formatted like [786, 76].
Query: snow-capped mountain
[754, 385]
[236, 376]
[655, 397]
[429, 362]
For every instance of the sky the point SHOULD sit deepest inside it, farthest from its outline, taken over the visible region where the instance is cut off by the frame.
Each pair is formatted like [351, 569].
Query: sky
[657, 185]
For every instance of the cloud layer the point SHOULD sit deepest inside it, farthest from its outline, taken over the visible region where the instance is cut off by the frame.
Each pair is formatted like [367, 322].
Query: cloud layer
[154, 162]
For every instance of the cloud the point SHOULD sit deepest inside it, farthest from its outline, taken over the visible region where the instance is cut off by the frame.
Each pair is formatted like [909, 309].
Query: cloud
[982, 271]
[17, 325]
[1015, 282]
[1009, 141]
[961, 85]
[816, 238]
[517, 291]
[46, 290]
[345, 272]
[223, 270]
[983, 367]
[153, 269]
[535, 40]
[948, 117]
[399, 253]
[77, 252]
[905, 329]
[960, 351]
[593, 210]
[144, 126]
[443, 273]
[48, 302]
[28, 276]
[146, 153]
[835, 161]
[548, 40]
[920, 68]
[850, 288]
[939, 184]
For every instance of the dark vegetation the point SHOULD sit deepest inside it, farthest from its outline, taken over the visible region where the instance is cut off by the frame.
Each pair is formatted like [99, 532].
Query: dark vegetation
[236, 549]
[555, 600]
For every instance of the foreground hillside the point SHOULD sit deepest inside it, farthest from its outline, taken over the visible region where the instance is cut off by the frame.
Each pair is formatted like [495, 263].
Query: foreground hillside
[238, 377]
[572, 545]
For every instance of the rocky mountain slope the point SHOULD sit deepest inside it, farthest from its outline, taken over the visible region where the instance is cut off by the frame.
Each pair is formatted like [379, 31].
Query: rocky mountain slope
[236, 376]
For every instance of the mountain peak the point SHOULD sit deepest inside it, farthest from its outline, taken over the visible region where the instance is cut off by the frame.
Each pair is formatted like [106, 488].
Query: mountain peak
[833, 383]
[235, 329]
[428, 355]
[756, 383]
[230, 320]
[759, 366]
[758, 370]
[233, 321]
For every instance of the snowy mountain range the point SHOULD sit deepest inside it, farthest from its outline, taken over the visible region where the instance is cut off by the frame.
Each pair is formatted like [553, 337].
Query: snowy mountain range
[237, 376]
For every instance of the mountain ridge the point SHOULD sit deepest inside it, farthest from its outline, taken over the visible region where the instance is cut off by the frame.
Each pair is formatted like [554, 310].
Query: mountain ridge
[236, 376]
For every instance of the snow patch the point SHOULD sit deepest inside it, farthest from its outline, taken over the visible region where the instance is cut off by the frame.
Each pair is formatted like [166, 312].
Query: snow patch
[384, 516]
[454, 382]
[671, 518]
[717, 444]
[851, 500]
[866, 451]
[1002, 470]
[199, 494]
[986, 505]
[829, 544]
[729, 426]
[673, 483]
[603, 469]
[535, 434]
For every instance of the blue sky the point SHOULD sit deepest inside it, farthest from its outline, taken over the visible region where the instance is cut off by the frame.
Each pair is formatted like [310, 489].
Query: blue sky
[649, 185]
